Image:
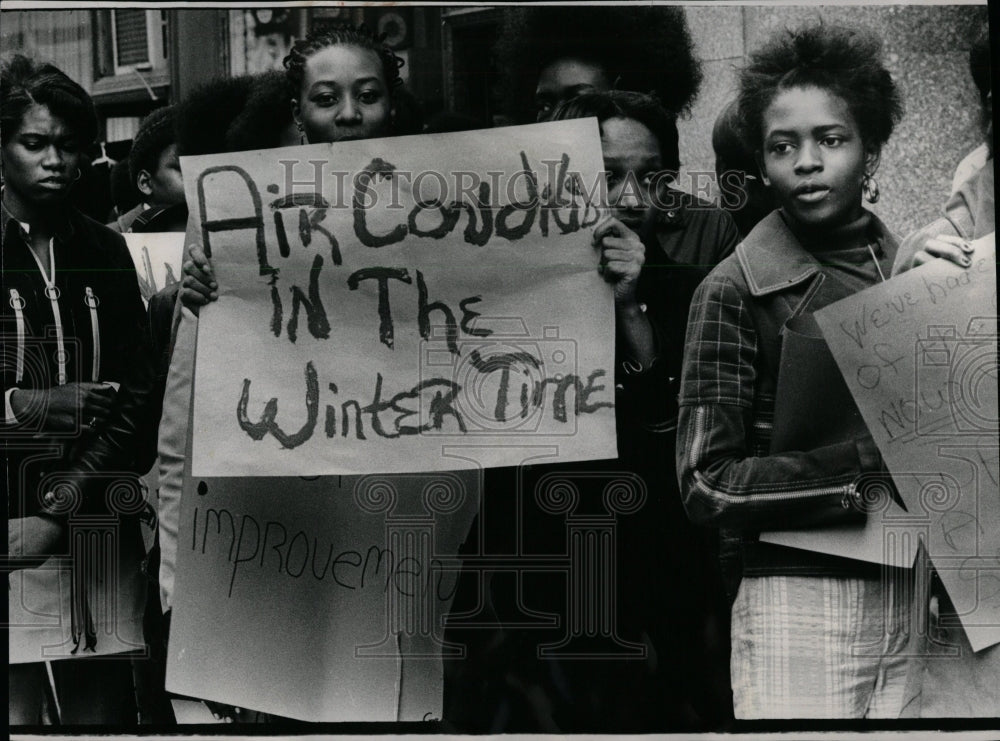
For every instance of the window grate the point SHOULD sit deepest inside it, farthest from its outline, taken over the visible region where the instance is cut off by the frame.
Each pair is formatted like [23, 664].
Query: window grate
[131, 40]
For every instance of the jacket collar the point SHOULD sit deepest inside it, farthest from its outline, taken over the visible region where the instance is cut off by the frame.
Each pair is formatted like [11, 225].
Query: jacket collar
[63, 232]
[772, 258]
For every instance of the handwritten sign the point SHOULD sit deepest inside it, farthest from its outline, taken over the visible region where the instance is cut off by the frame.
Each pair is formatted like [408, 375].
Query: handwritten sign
[919, 354]
[320, 600]
[157, 257]
[385, 302]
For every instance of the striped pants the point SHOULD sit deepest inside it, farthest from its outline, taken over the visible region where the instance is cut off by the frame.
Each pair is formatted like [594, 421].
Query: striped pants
[825, 647]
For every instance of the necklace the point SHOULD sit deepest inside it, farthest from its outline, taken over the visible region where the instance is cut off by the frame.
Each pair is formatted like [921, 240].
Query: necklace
[878, 267]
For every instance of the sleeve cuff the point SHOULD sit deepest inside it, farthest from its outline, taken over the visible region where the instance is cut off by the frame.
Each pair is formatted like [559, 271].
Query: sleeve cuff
[869, 457]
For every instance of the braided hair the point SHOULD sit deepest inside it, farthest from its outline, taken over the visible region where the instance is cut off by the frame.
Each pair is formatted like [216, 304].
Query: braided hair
[346, 35]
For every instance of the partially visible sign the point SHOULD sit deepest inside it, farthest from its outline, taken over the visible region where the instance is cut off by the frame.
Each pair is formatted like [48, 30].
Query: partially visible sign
[158, 257]
[919, 354]
[321, 600]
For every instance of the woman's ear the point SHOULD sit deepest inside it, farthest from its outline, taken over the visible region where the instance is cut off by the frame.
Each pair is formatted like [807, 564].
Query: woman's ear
[872, 159]
[296, 114]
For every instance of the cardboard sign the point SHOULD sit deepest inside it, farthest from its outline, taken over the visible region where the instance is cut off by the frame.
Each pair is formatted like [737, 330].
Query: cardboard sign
[919, 354]
[812, 408]
[329, 592]
[158, 257]
[320, 600]
[385, 302]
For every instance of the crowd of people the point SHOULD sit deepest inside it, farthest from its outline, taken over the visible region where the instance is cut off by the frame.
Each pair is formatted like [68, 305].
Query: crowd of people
[732, 628]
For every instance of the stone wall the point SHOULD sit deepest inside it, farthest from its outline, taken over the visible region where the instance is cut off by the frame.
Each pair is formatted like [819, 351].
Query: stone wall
[927, 49]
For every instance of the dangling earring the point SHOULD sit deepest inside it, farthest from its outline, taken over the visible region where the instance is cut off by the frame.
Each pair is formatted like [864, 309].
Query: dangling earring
[302, 134]
[869, 188]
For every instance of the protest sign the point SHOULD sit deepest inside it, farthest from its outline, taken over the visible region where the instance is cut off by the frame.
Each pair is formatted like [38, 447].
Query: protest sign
[321, 600]
[919, 354]
[330, 593]
[385, 302]
[157, 257]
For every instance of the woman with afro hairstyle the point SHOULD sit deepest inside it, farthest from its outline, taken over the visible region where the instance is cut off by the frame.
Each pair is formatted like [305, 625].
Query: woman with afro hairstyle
[546, 55]
[813, 635]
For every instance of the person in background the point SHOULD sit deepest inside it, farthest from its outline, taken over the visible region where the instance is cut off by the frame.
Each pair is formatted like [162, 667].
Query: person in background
[124, 194]
[657, 244]
[813, 636]
[340, 84]
[547, 55]
[742, 192]
[76, 326]
[155, 169]
[966, 685]
[970, 211]
[447, 121]
[979, 67]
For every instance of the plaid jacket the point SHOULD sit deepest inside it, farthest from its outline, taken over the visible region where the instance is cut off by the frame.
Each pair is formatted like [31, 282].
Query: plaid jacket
[728, 477]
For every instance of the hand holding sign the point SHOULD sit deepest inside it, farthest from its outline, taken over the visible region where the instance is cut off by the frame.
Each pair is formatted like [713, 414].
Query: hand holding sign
[199, 286]
[622, 258]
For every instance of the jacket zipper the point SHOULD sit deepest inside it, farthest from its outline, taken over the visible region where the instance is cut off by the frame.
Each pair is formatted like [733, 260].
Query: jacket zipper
[846, 492]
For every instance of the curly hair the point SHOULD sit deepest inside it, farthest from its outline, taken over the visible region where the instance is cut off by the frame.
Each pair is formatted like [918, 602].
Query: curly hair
[266, 112]
[845, 61]
[643, 49]
[205, 115]
[347, 35]
[24, 83]
[156, 133]
[645, 109]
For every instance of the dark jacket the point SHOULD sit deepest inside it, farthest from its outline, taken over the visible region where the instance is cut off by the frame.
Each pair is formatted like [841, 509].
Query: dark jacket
[690, 239]
[128, 440]
[104, 334]
[728, 476]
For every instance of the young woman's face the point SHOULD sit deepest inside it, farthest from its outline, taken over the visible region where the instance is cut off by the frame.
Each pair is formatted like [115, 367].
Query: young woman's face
[564, 79]
[813, 158]
[344, 96]
[631, 161]
[41, 160]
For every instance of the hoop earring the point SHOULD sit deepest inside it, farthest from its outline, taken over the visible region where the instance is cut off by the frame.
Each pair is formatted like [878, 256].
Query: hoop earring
[869, 188]
[79, 174]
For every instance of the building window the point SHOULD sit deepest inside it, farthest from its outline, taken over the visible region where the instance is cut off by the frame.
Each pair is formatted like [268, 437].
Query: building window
[121, 128]
[138, 39]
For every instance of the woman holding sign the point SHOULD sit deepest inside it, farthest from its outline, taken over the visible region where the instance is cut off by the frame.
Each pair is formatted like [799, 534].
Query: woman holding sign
[813, 635]
[73, 324]
[343, 84]
[652, 241]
